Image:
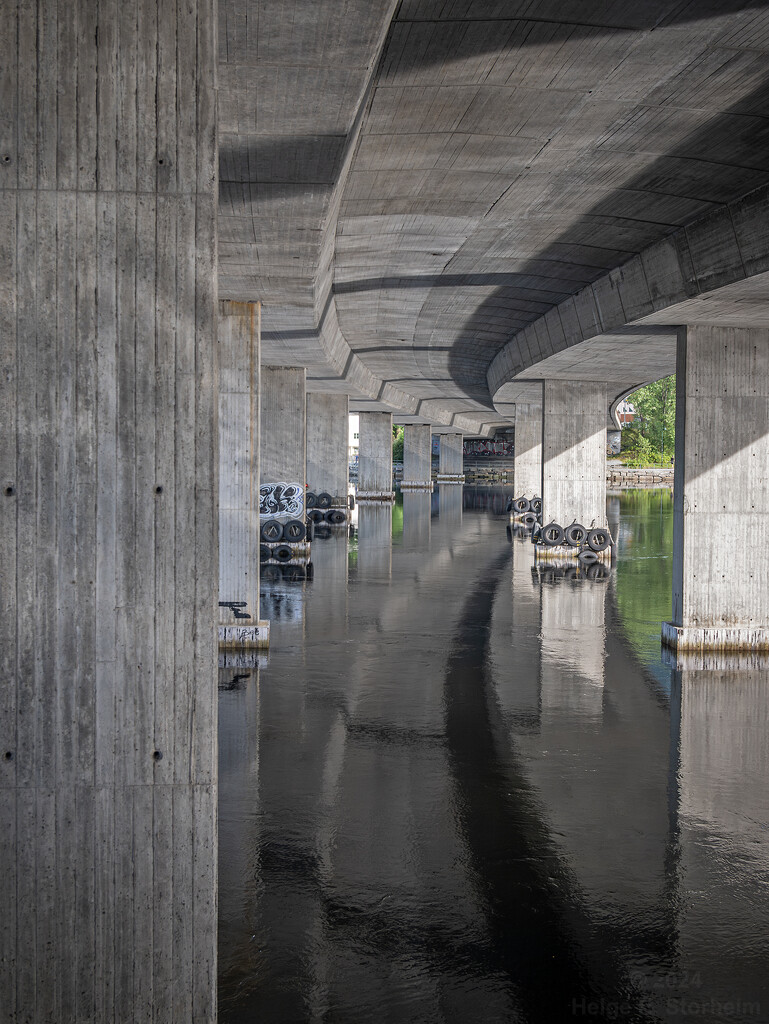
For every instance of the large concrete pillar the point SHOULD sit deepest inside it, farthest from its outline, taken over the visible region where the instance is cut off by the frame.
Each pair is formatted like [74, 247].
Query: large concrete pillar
[108, 512]
[328, 439]
[417, 457]
[527, 479]
[375, 456]
[239, 348]
[283, 435]
[451, 459]
[574, 453]
[721, 491]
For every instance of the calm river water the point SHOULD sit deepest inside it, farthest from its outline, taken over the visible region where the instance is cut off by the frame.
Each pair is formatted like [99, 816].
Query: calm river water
[463, 790]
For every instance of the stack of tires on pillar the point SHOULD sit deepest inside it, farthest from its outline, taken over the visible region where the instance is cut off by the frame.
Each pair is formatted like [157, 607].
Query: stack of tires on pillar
[285, 533]
[327, 512]
[525, 513]
[586, 545]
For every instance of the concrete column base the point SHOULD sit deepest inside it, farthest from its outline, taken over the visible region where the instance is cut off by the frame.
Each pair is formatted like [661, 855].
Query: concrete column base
[233, 637]
[417, 485]
[446, 478]
[362, 496]
[729, 639]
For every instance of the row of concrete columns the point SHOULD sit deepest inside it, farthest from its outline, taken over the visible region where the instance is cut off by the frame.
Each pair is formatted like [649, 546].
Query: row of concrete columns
[272, 431]
[721, 493]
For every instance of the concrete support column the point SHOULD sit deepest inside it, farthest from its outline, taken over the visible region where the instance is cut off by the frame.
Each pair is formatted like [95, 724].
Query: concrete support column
[328, 439]
[417, 457]
[283, 439]
[375, 457]
[721, 491]
[108, 512]
[527, 479]
[574, 453]
[451, 459]
[239, 348]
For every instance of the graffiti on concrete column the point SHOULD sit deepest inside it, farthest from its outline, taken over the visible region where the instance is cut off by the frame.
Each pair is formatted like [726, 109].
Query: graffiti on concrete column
[281, 500]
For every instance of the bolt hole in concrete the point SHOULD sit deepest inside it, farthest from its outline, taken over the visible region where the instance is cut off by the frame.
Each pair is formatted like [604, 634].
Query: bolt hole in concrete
[157, 755]
[8, 755]
[6, 159]
[158, 490]
[465, 790]
[10, 491]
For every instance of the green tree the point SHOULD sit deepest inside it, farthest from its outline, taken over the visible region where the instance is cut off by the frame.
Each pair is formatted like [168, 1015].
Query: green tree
[651, 439]
[397, 444]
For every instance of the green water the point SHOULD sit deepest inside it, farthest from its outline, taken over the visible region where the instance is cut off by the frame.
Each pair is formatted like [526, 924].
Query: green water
[644, 574]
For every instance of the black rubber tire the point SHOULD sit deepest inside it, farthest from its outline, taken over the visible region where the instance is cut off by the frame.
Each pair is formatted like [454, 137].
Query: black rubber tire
[323, 500]
[552, 535]
[272, 531]
[310, 499]
[522, 505]
[536, 505]
[598, 539]
[509, 505]
[294, 531]
[529, 519]
[588, 557]
[509, 530]
[575, 534]
[265, 552]
[335, 516]
[315, 515]
[282, 553]
[310, 529]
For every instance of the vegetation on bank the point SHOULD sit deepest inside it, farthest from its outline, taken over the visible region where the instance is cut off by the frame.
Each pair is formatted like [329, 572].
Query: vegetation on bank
[397, 443]
[650, 440]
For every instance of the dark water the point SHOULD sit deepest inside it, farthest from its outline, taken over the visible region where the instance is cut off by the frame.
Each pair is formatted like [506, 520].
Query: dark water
[464, 790]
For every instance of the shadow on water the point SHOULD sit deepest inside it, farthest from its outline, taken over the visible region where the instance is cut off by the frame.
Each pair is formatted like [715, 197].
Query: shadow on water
[540, 937]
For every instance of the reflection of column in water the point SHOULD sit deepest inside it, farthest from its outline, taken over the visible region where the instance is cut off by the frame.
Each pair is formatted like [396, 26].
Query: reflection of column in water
[375, 530]
[719, 725]
[520, 691]
[450, 505]
[327, 595]
[416, 519]
[573, 643]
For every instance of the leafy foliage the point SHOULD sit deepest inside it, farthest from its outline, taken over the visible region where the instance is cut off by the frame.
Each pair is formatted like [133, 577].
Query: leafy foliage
[650, 441]
[397, 444]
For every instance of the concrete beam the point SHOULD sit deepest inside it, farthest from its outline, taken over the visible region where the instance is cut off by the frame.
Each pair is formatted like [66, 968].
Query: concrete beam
[527, 479]
[375, 456]
[451, 459]
[328, 440]
[417, 458]
[283, 429]
[574, 453]
[721, 491]
[108, 513]
[239, 347]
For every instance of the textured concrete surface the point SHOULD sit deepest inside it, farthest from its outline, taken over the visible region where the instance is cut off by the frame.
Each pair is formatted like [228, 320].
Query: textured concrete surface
[417, 456]
[527, 478]
[239, 326]
[375, 454]
[328, 439]
[435, 198]
[721, 491]
[108, 512]
[574, 453]
[450, 458]
[283, 429]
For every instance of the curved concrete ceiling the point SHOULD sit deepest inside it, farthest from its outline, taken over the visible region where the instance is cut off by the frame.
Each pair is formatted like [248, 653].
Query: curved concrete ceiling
[418, 191]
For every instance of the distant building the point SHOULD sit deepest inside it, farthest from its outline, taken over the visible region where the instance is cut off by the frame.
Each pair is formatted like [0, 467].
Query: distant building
[625, 413]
